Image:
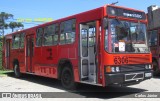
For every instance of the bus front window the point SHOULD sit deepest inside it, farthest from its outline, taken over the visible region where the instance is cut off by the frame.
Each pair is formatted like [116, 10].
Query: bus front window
[126, 37]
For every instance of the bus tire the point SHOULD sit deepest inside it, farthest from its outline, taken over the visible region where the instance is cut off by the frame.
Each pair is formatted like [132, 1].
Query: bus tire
[67, 78]
[155, 68]
[17, 72]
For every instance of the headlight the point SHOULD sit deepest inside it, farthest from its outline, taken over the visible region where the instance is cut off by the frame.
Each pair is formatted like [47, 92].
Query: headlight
[148, 66]
[117, 69]
[110, 69]
[113, 69]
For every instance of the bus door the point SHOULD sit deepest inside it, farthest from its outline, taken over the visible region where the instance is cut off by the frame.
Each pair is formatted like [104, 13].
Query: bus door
[29, 53]
[88, 51]
[7, 54]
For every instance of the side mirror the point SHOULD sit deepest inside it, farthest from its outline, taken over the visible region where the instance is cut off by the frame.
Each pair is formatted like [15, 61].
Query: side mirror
[105, 23]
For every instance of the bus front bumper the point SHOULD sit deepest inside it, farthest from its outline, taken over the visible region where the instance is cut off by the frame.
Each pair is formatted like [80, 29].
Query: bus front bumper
[129, 78]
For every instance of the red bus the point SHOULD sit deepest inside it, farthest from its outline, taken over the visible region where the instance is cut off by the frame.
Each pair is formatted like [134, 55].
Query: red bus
[154, 43]
[104, 46]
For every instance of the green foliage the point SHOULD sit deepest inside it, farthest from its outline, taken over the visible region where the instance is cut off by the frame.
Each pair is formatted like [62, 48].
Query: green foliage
[3, 25]
[13, 25]
[3, 17]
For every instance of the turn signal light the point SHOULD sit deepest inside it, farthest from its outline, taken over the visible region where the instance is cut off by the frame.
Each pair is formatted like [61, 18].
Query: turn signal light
[108, 69]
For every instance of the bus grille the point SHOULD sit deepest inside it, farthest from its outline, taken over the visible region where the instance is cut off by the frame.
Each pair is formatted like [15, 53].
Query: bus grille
[128, 68]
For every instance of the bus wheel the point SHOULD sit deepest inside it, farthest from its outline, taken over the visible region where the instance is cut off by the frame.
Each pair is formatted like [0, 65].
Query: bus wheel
[155, 68]
[17, 70]
[67, 78]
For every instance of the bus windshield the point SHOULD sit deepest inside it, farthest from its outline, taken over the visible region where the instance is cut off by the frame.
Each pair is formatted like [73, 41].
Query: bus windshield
[126, 37]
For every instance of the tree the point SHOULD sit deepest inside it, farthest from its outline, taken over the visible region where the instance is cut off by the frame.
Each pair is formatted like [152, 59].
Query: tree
[3, 17]
[14, 25]
[19, 25]
[3, 25]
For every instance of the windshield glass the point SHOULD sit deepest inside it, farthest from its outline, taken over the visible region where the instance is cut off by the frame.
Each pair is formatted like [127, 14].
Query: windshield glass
[126, 37]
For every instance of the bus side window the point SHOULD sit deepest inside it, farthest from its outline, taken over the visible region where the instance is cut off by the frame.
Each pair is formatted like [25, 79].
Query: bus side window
[51, 35]
[149, 37]
[92, 31]
[67, 32]
[55, 35]
[106, 39]
[39, 37]
[153, 37]
[62, 35]
[22, 40]
[15, 42]
[47, 36]
[70, 34]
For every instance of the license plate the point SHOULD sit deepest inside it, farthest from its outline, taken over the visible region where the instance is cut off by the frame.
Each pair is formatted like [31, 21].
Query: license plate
[148, 74]
[134, 76]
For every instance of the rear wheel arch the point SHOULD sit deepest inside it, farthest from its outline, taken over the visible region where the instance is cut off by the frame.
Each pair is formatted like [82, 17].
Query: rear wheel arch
[61, 64]
[15, 61]
[16, 68]
[66, 74]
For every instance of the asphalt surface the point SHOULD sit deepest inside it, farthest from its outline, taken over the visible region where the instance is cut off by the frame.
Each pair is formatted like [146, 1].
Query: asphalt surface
[54, 89]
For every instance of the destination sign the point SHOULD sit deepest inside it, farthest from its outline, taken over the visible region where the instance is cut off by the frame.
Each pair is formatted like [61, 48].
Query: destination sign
[113, 11]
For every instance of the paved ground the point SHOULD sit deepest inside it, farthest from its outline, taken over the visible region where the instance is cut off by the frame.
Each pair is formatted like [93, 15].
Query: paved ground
[29, 83]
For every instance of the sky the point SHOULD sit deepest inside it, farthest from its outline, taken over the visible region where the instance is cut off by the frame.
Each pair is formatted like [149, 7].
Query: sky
[56, 9]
